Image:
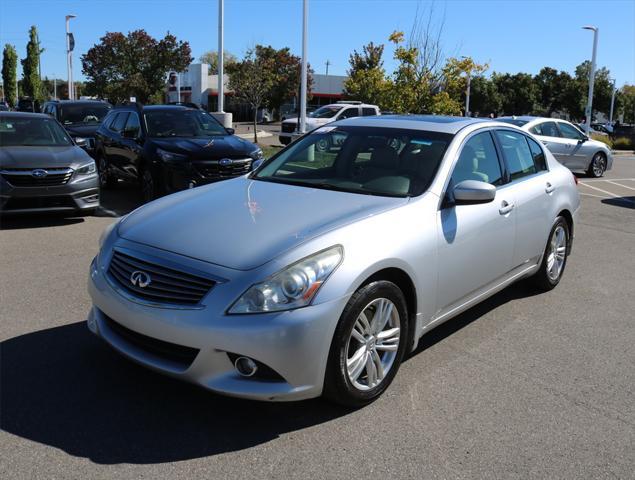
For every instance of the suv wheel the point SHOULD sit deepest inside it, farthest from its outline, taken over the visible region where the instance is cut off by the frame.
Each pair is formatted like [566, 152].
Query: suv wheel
[106, 180]
[368, 345]
[148, 186]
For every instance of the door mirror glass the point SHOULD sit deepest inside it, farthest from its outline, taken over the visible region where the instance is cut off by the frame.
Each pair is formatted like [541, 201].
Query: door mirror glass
[230, 131]
[473, 191]
[81, 142]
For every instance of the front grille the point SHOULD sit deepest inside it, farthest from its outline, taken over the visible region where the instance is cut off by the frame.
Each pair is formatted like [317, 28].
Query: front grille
[166, 285]
[169, 351]
[216, 171]
[19, 203]
[23, 177]
[288, 127]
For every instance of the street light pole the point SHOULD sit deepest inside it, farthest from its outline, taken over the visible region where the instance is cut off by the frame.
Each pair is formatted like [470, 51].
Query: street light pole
[69, 58]
[467, 95]
[220, 56]
[303, 77]
[589, 106]
[612, 103]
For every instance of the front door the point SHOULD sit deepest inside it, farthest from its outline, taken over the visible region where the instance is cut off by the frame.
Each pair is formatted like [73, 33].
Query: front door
[475, 242]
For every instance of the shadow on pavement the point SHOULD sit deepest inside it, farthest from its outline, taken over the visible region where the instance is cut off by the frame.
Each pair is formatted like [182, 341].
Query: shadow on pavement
[63, 387]
[626, 202]
[15, 222]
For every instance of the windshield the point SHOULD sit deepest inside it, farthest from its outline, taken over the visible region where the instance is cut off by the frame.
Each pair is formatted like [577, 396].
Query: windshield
[325, 112]
[34, 131]
[83, 113]
[182, 123]
[513, 121]
[372, 161]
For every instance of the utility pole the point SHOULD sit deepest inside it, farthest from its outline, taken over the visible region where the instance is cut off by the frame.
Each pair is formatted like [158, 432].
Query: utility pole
[589, 105]
[467, 95]
[612, 103]
[327, 67]
[221, 56]
[70, 45]
[303, 77]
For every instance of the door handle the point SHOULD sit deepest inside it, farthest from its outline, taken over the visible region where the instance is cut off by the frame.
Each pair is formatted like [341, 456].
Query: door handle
[549, 188]
[505, 208]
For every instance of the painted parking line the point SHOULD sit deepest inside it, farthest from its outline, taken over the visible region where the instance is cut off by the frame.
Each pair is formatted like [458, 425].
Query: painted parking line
[611, 194]
[620, 185]
[606, 180]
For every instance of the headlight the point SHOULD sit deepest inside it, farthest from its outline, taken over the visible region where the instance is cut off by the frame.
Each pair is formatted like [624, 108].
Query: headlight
[87, 169]
[293, 287]
[169, 156]
[257, 154]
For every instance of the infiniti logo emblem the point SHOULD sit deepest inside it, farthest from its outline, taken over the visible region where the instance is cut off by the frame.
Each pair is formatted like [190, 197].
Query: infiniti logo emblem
[225, 161]
[140, 279]
[39, 173]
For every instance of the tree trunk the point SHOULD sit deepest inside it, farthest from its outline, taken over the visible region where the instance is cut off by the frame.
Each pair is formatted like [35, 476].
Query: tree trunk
[255, 131]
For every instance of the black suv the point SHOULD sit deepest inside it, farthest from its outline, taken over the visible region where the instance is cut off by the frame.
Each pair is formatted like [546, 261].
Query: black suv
[168, 148]
[81, 118]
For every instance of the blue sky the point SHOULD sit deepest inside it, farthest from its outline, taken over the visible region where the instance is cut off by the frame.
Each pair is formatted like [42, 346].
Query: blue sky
[511, 35]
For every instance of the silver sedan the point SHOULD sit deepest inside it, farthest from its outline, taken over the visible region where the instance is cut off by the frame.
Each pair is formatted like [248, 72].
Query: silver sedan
[318, 272]
[569, 145]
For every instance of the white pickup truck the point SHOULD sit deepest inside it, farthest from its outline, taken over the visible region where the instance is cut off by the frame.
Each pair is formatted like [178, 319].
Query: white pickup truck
[327, 114]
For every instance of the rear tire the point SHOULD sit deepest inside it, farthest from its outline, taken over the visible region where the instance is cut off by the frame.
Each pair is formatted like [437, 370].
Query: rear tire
[554, 259]
[368, 345]
[148, 184]
[106, 179]
[597, 167]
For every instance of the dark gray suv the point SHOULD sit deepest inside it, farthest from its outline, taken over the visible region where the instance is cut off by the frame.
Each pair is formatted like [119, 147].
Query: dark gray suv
[42, 168]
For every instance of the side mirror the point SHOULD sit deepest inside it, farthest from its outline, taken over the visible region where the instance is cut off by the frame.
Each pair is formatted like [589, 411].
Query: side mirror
[473, 191]
[81, 142]
[129, 133]
[230, 131]
[256, 164]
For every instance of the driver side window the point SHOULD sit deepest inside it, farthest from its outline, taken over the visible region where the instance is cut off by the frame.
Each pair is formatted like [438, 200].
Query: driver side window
[478, 161]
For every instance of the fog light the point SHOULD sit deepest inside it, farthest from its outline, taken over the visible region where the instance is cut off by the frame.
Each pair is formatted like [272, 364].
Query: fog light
[245, 366]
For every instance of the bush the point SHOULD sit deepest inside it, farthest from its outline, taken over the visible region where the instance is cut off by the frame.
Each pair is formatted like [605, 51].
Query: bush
[604, 139]
[623, 143]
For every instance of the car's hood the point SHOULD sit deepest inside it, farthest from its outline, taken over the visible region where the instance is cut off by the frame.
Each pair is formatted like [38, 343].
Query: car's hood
[207, 147]
[82, 130]
[41, 157]
[243, 223]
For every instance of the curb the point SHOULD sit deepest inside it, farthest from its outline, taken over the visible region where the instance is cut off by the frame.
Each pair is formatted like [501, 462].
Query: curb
[623, 152]
[250, 135]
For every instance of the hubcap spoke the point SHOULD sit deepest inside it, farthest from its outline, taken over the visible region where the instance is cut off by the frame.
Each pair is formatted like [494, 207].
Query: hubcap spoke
[357, 363]
[371, 371]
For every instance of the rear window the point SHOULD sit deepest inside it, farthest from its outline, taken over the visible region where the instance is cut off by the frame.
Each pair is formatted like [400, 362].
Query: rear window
[513, 121]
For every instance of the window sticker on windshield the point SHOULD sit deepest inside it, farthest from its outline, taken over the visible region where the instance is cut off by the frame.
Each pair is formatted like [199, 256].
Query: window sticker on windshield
[421, 142]
[325, 130]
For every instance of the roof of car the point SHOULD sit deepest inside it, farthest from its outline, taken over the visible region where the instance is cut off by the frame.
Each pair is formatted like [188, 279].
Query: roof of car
[432, 123]
[85, 100]
[134, 107]
[24, 114]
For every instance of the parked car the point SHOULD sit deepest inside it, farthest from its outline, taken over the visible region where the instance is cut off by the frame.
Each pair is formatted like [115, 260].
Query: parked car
[606, 128]
[569, 145]
[319, 271]
[42, 169]
[327, 114]
[81, 118]
[168, 148]
[594, 130]
[28, 105]
[4, 107]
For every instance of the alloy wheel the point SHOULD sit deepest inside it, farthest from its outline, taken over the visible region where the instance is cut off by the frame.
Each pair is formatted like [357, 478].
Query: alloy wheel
[599, 165]
[103, 171]
[373, 344]
[557, 253]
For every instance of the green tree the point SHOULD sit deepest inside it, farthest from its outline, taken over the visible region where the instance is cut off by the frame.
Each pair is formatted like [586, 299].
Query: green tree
[121, 66]
[366, 79]
[517, 92]
[9, 74]
[627, 101]
[602, 88]
[484, 97]
[251, 79]
[211, 58]
[31, 67]
[455, 76]
[552, 90]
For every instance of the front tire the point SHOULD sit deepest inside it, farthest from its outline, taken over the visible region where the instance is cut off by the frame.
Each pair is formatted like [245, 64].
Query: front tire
[148, 185]
[597, 167]
[554, 259]
[106, 179]
[368, 345]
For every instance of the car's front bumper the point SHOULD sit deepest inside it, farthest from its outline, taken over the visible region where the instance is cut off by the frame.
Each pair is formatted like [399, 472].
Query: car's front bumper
[75, 196]
[294, 344]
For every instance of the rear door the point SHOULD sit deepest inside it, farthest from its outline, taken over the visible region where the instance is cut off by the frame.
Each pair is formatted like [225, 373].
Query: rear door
[532, 191]
[114, 146]
[549, 135]
[475, 242]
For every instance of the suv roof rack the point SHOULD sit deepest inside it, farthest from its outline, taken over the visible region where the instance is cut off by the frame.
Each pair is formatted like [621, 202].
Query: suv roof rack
[349, 102]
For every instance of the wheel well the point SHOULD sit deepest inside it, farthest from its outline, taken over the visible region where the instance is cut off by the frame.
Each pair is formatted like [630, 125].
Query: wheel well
[404, 282]
[566, 214]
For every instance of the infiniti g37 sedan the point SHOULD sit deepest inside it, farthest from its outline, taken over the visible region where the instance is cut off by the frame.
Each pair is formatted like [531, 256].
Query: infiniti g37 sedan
[316, 273]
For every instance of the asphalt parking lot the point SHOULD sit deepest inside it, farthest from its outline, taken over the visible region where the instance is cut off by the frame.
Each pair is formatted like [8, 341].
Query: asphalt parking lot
[525, 385]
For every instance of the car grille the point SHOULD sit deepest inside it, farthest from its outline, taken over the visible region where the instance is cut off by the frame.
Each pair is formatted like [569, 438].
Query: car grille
[23, 177]
[288, 127]
[166, 285]
[182, 355]
[216, 171]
